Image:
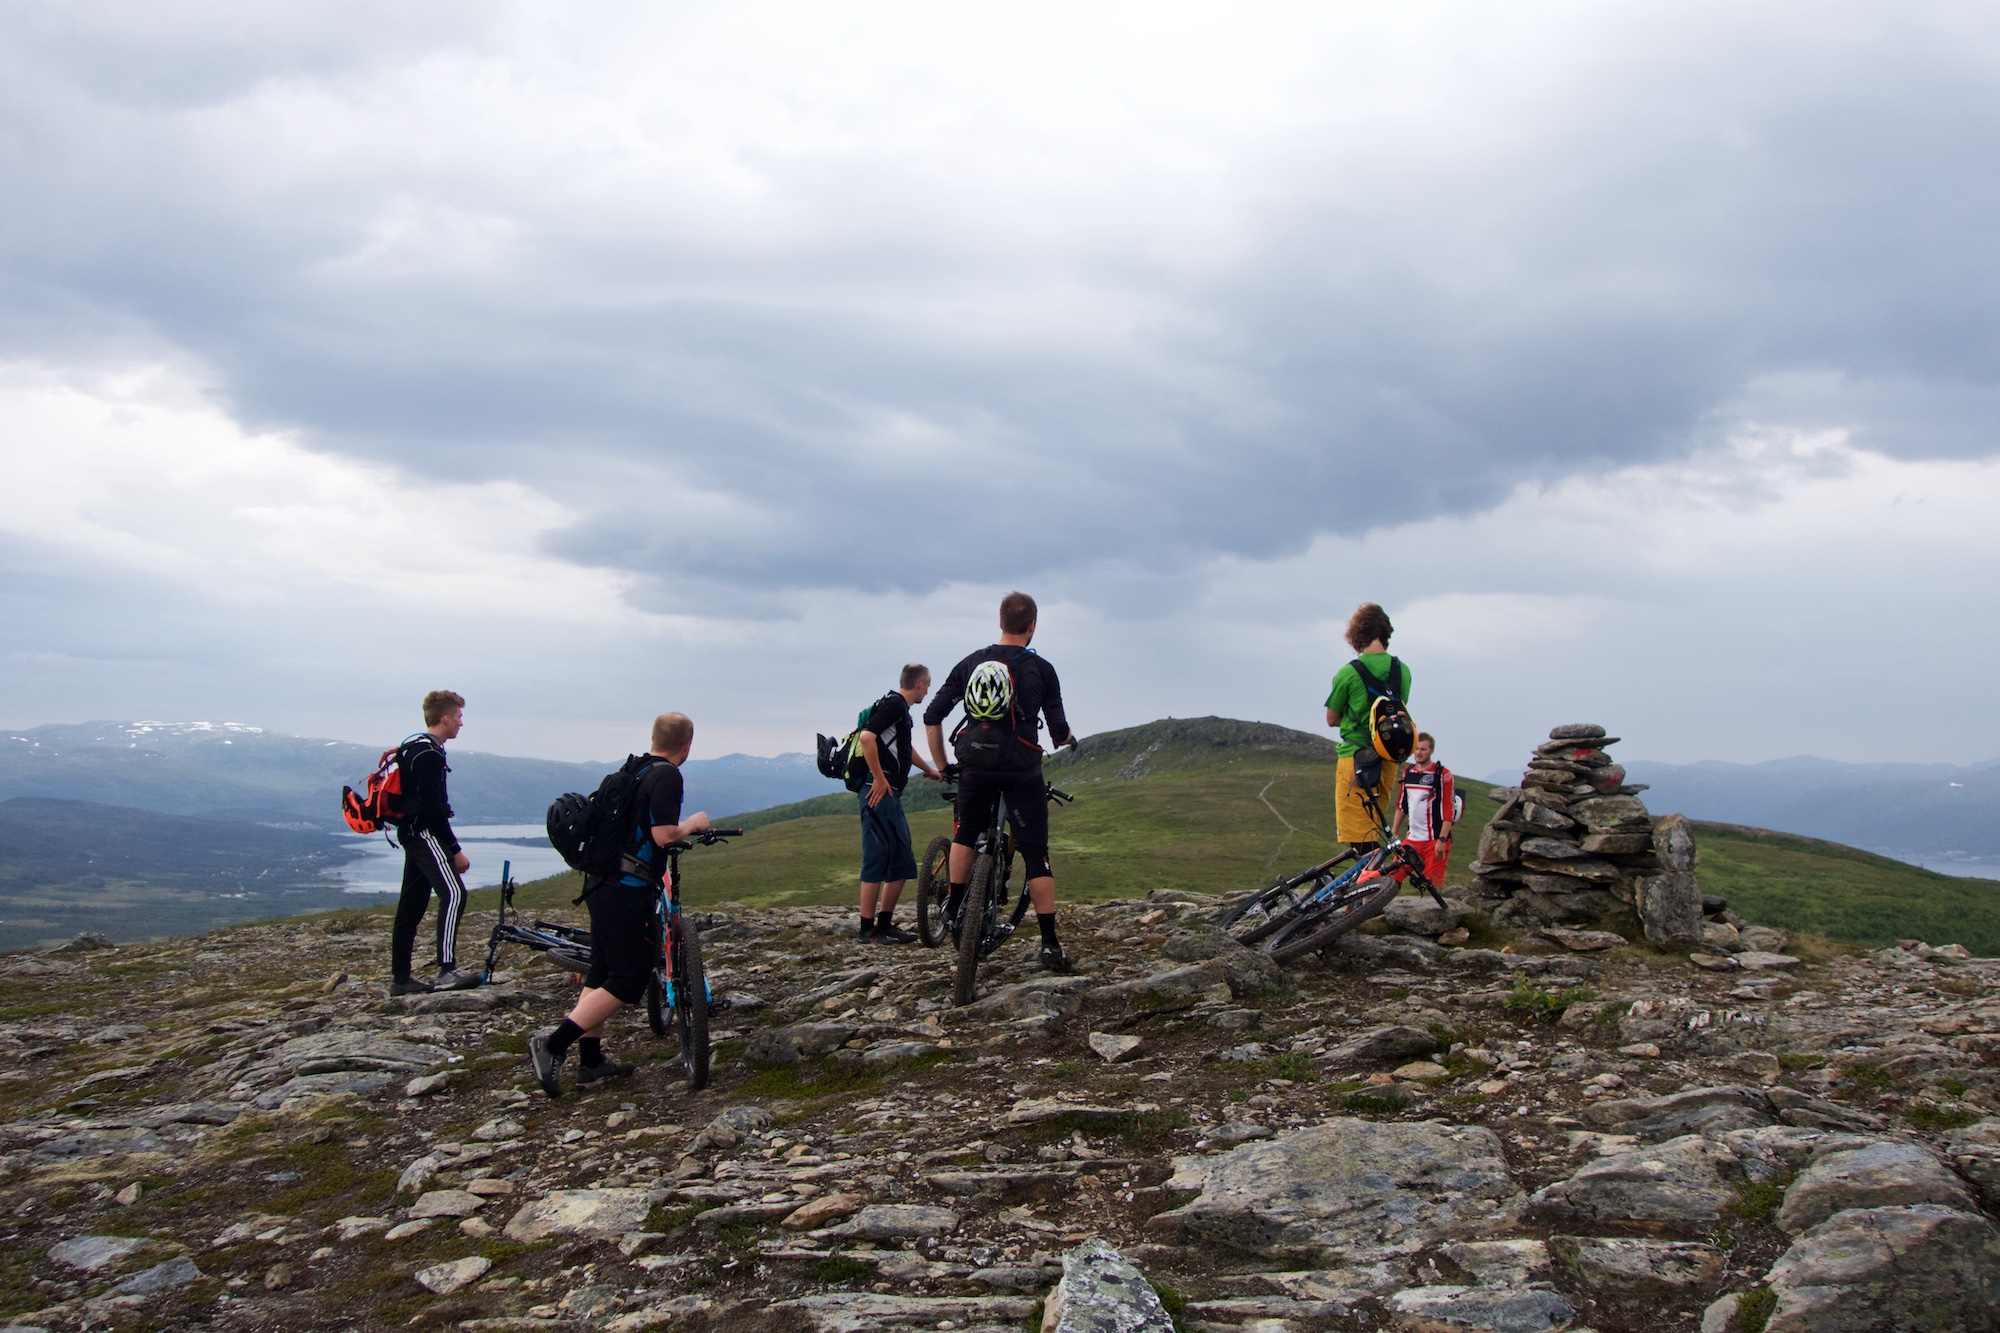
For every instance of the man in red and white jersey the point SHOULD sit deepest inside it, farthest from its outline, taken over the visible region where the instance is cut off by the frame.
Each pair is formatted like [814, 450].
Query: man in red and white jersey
[1429, 802]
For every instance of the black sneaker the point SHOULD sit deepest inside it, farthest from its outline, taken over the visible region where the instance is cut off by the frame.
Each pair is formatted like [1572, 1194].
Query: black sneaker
[546, 1063]
[409, 986]
[866, 933]
[604, 1072]
[1056, 961]
[892, 934]
[453, 979]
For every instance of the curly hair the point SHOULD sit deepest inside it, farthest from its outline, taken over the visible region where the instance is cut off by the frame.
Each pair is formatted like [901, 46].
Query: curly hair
[1368, 623]
[440, 702]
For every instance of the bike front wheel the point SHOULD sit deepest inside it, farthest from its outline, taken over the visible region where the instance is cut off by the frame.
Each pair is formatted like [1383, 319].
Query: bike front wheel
[691, 1005]
[1323, 925]
[973, 927]
[933, 889]
[1260, 914]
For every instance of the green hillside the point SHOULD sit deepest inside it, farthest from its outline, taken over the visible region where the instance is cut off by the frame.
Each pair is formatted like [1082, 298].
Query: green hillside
[1206, 804]
[1211, 804]
[1800, 883]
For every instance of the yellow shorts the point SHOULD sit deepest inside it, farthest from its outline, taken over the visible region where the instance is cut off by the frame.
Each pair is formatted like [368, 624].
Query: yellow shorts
[1351, 813]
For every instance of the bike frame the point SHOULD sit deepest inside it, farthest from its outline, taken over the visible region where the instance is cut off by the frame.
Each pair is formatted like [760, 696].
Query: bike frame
[667, 920]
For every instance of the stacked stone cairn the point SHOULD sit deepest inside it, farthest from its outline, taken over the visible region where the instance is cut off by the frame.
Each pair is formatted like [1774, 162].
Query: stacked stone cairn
[1575, 843]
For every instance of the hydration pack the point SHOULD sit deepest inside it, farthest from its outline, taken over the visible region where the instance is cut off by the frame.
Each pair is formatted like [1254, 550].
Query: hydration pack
[841, 759]
[1392, 732]
[382, 803]
[591, 833]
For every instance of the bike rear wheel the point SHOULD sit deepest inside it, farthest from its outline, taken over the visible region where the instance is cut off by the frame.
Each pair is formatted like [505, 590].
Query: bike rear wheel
[933, 888]
[975, 925]
[1323, 925]
[691, 1005]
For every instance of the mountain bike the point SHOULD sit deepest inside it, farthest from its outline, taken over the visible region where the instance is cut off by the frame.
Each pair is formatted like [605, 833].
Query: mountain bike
[981, 928]
[565, 946]
[677, 976]
[678, 993]
[1310, 910]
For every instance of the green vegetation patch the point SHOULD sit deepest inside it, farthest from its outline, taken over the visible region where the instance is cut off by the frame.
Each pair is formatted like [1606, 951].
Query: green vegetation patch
[1532, 1004]
[1754, 1309]
[1926, 1115]
[1804, 884]
[1758, 1201]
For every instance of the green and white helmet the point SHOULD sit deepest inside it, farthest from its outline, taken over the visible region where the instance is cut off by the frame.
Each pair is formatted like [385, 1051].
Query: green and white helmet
[990, 692]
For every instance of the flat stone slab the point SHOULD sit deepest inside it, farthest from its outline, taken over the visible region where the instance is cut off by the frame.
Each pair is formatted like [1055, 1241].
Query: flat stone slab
[445, 1278]
[1877, 1176]
[797, 1041]
[1324, 1192]
[1479, 1310]
[1868, 1269]
[1040, 997]
[1692, 1110]
[358, 1083]
[899, 1221]
[867, 1312]
[1114, 1046]
[447, 1203]
[1034, 1110]
[1756, 960]
[90, 1253]
[1381, 1045]
[1688, 1179]
[160, 1277]
[610, 1212]
[1633, 1268]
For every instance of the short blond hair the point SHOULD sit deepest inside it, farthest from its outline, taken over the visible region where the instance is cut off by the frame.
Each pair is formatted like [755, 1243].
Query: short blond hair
[439, 703]
[672, 732]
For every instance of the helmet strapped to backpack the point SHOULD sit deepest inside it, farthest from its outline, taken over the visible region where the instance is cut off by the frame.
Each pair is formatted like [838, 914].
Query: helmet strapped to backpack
[989, 694]
[1391, 729]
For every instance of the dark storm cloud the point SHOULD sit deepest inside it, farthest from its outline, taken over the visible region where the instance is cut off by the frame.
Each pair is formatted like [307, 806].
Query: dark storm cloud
[1716, 218]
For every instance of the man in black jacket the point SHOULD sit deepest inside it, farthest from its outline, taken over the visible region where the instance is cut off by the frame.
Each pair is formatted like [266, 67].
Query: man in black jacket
[1035, 691]
[432, 861]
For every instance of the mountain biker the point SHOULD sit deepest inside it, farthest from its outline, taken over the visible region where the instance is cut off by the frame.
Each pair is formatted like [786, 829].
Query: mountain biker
[1428, 800]
[1363, 813]
[1035, 691]
[622, 942]
[887, 863]
[432, 861]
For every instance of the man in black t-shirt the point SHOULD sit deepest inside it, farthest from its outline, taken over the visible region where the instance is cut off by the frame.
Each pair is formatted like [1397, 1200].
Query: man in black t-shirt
[1037, 695]
[887, 863]
[623, 946]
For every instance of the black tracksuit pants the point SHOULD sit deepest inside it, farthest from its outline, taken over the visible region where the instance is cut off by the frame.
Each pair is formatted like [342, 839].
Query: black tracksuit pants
[427, 869]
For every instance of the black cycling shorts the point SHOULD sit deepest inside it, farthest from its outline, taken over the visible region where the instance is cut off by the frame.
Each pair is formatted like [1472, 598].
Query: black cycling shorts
[1027, 810]
[623, 951]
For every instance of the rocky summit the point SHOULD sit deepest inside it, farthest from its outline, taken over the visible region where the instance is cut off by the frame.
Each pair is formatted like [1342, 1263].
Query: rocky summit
[1514, 1130]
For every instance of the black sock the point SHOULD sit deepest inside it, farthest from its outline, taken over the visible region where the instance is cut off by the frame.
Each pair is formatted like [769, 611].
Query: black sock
[883, 920]
[867, 924]
[563, 1037]
[590, 1050]
[1047, 921]
[954, 902]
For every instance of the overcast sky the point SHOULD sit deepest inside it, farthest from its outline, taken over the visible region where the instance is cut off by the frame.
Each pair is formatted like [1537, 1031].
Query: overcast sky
[1641, 359]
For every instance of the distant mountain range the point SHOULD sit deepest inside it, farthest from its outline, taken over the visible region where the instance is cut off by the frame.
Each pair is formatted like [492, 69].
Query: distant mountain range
[228, 771]
[1933, 812]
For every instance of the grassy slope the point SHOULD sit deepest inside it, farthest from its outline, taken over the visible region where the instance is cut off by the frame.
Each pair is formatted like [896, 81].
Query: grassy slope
[1806, 884]
[1186, 815]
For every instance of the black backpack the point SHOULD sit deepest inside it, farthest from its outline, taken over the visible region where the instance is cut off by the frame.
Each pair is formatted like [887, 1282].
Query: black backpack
[1392, 732]
[592, 832]
[840, 758]
[994, 745]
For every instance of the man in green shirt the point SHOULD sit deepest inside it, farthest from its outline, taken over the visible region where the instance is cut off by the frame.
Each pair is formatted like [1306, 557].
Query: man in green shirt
[1359, 825]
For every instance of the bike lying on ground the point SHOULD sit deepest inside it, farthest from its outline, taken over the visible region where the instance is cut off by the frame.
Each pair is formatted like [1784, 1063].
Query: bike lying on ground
[1310, 910]
[678, 997]
[988, 921]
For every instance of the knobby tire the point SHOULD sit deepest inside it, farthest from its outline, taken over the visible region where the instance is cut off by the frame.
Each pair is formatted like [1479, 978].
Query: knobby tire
[656, 1002]
[691, 1006]
[1320, 928]
[972, 928]
[1282, 911]
[933, 887]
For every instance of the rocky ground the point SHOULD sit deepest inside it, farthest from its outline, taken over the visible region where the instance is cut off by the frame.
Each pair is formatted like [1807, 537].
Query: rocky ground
[1507, 1133]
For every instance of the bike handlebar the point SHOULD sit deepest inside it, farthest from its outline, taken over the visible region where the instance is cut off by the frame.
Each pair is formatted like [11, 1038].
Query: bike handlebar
[706, 838]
